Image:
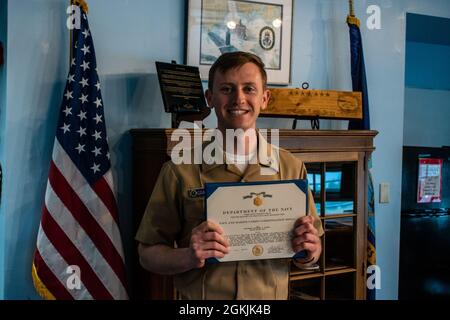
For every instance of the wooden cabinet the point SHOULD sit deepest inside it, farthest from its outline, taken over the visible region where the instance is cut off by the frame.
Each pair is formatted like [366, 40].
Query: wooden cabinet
[337, 173]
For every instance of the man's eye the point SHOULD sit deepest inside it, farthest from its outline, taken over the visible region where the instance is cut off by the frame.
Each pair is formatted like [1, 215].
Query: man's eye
[226, 90]
[249, 89]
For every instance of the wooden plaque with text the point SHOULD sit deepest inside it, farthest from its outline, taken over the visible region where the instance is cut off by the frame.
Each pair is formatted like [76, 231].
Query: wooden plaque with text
[327, 104]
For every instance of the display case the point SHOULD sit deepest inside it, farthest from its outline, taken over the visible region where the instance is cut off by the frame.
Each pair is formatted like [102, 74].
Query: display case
[336, 162]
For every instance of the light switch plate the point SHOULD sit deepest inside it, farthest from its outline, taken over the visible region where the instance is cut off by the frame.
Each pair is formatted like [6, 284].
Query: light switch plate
[384, 192]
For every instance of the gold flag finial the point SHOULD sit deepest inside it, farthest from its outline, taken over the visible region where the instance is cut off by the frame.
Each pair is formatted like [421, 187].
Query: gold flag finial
[82, 4]
[351, 18]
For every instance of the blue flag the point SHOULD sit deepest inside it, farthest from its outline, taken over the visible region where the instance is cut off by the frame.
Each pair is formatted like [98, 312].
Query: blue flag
[358, 74]
[359, 84]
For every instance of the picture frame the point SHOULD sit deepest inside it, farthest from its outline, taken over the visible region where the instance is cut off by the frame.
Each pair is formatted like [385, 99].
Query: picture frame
[262, 27]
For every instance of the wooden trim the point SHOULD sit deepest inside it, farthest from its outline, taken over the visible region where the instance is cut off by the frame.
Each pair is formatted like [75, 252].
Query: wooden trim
[361, 235]
[293, 140]
[326, 156]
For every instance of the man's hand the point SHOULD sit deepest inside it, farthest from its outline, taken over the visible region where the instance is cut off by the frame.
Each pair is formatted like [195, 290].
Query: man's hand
[306, 237]
[207, 241]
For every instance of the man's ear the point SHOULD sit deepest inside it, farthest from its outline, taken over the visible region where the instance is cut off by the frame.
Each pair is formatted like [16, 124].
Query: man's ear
[208, 96]
[266, 99]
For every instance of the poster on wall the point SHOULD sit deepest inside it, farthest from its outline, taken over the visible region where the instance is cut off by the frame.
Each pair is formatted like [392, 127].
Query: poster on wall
[429, 187]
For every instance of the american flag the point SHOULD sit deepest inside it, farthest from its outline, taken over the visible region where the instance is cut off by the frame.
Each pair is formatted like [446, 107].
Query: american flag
[79, 250]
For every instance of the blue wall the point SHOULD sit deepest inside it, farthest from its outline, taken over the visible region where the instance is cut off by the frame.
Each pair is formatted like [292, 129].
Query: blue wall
[427, 78]
[36, 68]
[427, 66]
[3, 39]
[129, 37]
[427, 29]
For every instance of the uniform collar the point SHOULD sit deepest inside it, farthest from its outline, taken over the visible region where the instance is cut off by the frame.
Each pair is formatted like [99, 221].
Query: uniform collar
[268, 154]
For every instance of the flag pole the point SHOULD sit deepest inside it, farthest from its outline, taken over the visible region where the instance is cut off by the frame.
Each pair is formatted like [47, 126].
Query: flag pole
[70, 39]
[351, 10]
[84, 7]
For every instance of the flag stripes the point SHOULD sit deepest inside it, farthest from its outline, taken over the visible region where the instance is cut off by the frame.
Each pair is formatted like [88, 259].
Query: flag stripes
[86, 193]
[59, 269]
[104, 192]
[82, 241]
[84, 218]
[72, 256]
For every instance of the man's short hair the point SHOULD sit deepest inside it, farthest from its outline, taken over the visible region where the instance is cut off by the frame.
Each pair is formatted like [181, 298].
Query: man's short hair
[232, 60]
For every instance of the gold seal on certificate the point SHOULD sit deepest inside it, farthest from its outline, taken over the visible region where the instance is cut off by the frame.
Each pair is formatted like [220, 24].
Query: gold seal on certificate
[257, 217]
[257, 250]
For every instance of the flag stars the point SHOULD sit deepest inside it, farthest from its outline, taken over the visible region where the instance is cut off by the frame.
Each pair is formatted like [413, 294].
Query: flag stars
[68, 95]
[80, 148]
[98, 85]
[97, 135]
[97, 151]
[98, 102]
[85, 49]
[65, 127]
[83, 98]
[82, 115]
[86, 33]
[85, 65]
[108, 155]
[67, 111]
[95, 167]
[82, 131]
[73, 62]
[71, 78]
[98, 118]
[84, 82]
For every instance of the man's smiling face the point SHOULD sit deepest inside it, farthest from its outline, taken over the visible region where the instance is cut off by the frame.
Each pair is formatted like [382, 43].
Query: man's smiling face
[238, 96]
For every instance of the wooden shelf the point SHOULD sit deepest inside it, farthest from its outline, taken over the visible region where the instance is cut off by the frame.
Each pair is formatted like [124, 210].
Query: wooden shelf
[337, 216]
[339, 271]
[302, 276]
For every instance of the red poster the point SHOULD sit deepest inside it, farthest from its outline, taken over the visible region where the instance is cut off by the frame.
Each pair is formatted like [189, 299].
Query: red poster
[430, 180]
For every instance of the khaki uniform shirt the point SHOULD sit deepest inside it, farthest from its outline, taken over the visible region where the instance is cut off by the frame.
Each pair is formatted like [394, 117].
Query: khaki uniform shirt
[174, 210]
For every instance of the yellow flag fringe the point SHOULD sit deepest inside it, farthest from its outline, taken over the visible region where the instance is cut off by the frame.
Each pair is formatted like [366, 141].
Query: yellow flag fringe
[40, 286]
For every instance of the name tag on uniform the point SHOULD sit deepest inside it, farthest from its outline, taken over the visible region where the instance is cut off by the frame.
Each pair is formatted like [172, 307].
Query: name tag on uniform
[196, 193]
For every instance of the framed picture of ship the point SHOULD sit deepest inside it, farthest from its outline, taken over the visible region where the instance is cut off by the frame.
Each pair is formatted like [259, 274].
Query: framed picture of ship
[261, 27]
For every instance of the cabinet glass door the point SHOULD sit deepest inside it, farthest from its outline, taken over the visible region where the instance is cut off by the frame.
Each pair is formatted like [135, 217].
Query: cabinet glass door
[340, 181]
[333, 187]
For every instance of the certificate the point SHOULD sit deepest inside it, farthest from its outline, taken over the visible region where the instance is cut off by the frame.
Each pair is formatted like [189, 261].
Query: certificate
[257, 217]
